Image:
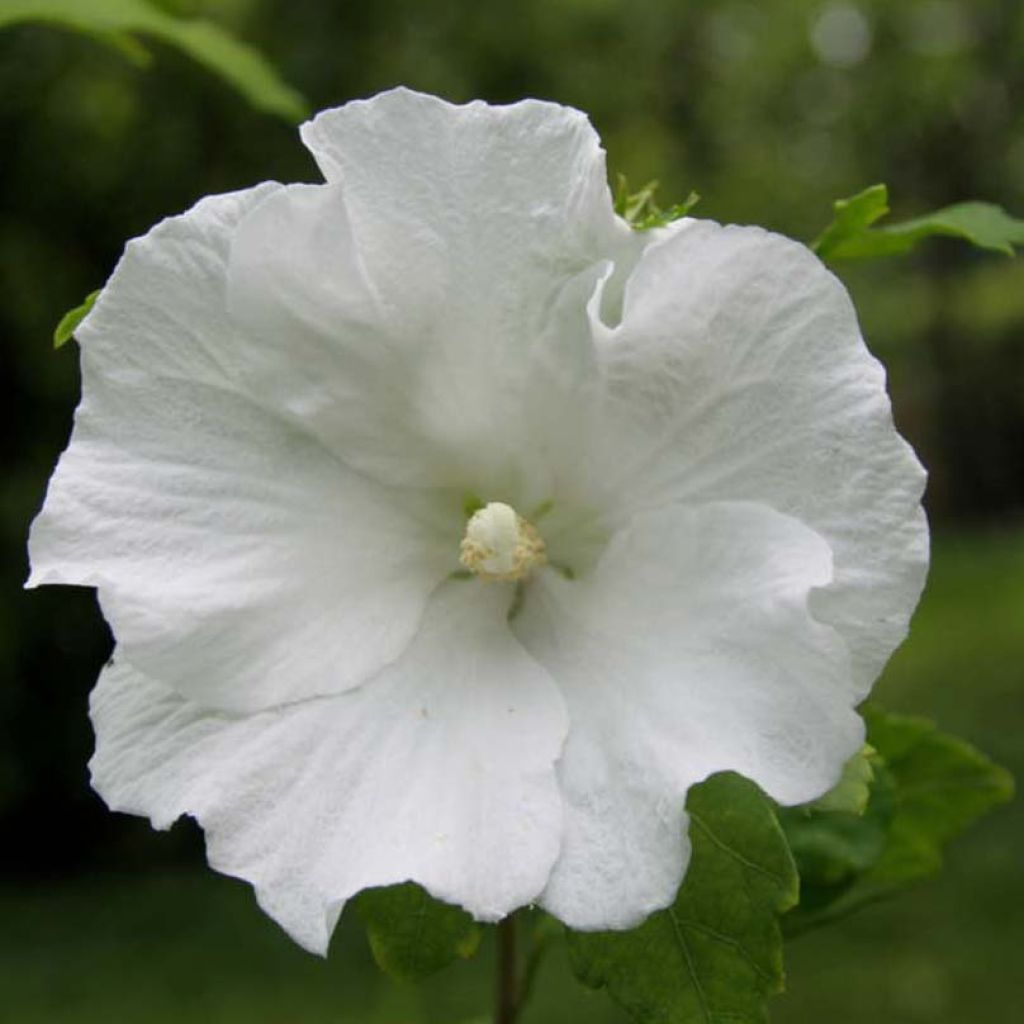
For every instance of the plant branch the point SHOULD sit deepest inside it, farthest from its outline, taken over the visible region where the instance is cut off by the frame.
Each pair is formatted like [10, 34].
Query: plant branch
[541, 944]
[507, 1002]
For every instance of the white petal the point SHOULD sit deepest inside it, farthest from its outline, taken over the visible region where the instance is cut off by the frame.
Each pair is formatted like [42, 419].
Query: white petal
[237, 560]
[162, 313]
[434, 294]
[439, 770]
[741, 373]
[511, 194]
[688, 650]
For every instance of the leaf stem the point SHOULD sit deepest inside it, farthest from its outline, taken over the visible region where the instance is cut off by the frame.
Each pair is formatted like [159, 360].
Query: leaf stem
[507, 1002]
[541, 944]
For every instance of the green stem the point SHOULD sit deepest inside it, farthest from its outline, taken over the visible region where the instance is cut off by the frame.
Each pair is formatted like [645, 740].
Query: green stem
[541, 944]
[507, 1000]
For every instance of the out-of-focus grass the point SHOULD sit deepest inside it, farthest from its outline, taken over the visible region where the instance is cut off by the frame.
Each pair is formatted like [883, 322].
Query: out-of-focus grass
[193, 947]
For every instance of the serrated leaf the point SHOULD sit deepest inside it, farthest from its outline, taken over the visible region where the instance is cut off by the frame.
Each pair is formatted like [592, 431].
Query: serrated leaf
[117, 22]
[930, 788]
[69, 322]
[715, 955]
[413, 935]
[853, 234]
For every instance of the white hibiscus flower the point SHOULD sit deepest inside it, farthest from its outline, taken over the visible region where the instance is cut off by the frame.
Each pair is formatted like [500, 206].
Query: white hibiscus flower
[702, 536]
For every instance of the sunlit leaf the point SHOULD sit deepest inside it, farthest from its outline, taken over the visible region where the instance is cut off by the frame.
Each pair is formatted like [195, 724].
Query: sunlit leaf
[715, 955]
[413, 935]
[69, 322]
[853, 234]
[852, 218]
[117, 22]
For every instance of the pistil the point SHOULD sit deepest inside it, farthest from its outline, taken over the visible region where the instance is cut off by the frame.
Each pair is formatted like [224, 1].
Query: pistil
[500, 544]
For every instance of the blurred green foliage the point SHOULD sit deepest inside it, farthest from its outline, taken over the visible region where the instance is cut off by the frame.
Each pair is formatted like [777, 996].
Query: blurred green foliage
[771, 110]
[119, 23]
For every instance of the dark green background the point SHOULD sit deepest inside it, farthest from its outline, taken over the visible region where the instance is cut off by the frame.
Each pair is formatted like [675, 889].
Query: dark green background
[769, 115]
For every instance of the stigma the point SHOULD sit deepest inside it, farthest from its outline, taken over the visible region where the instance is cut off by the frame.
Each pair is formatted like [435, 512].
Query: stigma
[500, 544]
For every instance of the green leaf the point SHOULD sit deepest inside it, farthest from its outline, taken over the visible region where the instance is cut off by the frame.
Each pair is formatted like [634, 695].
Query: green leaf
[853, 790]
[833, 847]
[412, 934]
[927, 789]
[852, 218]
[942, 785]
[842, 833]
[641, 212]
[715, 955]
[118, 21]
[852, 235]
[69, 322]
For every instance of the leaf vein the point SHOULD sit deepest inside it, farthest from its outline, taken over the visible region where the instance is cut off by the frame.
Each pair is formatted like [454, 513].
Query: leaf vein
[735, 854]
[690, 966]
[732, 943]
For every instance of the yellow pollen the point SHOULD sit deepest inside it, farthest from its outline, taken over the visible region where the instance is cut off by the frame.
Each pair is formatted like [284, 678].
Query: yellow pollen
[500, 544]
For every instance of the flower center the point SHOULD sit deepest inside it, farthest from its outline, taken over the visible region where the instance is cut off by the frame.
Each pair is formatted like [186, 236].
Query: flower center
[500, 544]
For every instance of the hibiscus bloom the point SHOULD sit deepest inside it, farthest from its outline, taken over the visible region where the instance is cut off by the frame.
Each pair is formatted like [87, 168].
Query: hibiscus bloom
[450, 529]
